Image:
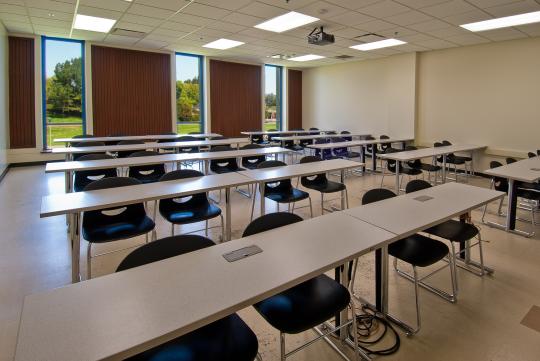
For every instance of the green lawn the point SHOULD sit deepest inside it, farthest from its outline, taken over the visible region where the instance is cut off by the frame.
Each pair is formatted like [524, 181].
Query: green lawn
[63, 131]
[60, 119]
[188, 128]
[269, 125]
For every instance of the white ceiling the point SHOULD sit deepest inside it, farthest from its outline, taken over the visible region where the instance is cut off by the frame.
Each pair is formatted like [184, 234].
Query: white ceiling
[185, 25]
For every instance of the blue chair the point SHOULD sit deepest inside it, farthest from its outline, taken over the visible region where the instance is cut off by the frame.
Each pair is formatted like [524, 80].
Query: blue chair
[227, 339]
[114, 224]
[191, 209]
[281, 192]
[227, 165]
[252, 162]
[146, 173]
[77, 156]
[306, 305]
[416, 250]
[83, 178]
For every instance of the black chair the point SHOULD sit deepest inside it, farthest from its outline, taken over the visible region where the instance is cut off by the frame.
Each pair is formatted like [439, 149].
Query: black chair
[324, 154]
[531, 154]
[455, 231]
[314, 131]
[321, 184]
[510, 160]
[459, 157]
[114, 224]
[167, 150]
[83, 178]
[187, 148]
[384, 146]
[79, 136]
[127, 153]
[306, 305]
[112, 135]
[416, 250]
[146, 173]
[190, 209]
[451, 159]
[251, 162]
[281, 191]
[228, 339]
[425, 167]
[226, 165]
[270, 137]
[76, 156]
[345, 133]
[404, 168]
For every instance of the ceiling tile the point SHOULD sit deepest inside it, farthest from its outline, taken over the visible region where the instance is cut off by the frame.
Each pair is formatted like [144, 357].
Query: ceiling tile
[377, 25]
[262, 10]
[57, 15]
[120, 40]
[229, 4]
[14, 17]
[408, 18]
[384, 9]
[292, 5]
[144, 20]
[323, 10]
[12, 9]
[514, 8]
[418, 4]
[134, 27]
[88, 35]
[242, 19]
[17, 27]
[531, 29]
[206, 11]
[353, 4]
[352, 18]
[490, 3]
[173, 5]
[467, 39]
[229, 27]
[152, 44]
[434, 24]
[103, 13]
[503, 34]
[116, 5]
[468, 17]
[448, 8]
[256, 33]
[51, 5]
[179, 26]
[168, 32]
[436, 44]
[191, 19]
[150, 11]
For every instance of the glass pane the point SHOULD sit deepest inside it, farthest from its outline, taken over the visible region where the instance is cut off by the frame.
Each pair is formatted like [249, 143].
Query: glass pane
[63, 90]
[272, 98]
[188, 95]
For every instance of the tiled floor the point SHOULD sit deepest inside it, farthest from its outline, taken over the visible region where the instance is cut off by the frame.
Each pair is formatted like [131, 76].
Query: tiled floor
[483, 325]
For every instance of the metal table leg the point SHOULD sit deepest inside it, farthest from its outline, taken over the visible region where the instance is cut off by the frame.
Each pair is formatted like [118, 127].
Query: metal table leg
[228, 214]
[512, 205]
[444, 168]
[75, 240]
[397, 177]
[261, 194]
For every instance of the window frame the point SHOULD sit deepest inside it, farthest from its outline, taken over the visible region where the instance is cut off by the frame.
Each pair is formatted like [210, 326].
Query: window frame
[202, 88]
[279, 96]
[82, 43]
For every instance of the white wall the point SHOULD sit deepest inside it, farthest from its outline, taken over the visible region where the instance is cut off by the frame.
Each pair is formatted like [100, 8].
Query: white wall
[483, 94]
[3, 98]
[372, 96]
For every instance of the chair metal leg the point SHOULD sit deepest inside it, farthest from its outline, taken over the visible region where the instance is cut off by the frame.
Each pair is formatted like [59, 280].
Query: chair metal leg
[222, 228]
[253, 203]
[322, 204]
[172, 229]
[453, 271]
[282, 346]
[146, 238]
[89, 261]
[206, 228]
[417, 301]
[310, 207]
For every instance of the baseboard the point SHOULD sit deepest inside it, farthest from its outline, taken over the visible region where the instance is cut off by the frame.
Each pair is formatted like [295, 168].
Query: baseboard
[4, 172]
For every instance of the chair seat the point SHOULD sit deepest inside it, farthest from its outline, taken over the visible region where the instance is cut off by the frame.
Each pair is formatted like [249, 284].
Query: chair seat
[430, 167]
[418, 250]
[228, 339]
[116, 231]
[327, 187]
[294, 195]
[529, 193]
[410, 171]
[304, 306]
[454, 160]
[226, 170]
[148, 178]
[463, 158]
[193, 214]
[454, 231]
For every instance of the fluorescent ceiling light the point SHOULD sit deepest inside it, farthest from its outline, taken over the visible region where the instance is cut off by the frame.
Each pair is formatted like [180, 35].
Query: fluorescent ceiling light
[92, 23]
[286, 22]
[505, 22]
[307, 57]
[378, 44]
[223, 44]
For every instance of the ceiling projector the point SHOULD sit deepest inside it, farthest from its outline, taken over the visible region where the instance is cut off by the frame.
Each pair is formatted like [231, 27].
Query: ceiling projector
[319, 37]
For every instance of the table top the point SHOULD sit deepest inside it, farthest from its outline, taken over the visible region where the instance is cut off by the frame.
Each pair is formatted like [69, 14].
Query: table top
[404, 215]
[121, 314]
[299, 170]
[429, 152]
[153, 145]
[319, 136]
[157, 159]
[265, 132]
[358, 143]
[65, 203]
[526, 170]
[134, 137]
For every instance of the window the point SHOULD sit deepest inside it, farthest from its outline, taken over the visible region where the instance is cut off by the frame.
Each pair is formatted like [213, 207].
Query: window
[63, 89]
[272, 97]
[189, 93]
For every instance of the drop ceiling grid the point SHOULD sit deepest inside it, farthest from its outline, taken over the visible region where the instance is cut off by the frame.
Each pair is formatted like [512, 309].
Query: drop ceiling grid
[186, 25]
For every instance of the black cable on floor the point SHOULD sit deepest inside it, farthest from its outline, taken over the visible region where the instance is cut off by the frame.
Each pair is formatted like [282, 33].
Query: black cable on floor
[367, 323]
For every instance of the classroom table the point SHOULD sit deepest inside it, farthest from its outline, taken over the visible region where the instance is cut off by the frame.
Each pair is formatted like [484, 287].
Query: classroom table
[265, 175]
[69, 151]
[119, 315]
[73, 204]
[135, 137]
[409, 155]
[276, 132]
[408, 214]
[73, 166]
[361, 144]
[318, 136]
[526, 170]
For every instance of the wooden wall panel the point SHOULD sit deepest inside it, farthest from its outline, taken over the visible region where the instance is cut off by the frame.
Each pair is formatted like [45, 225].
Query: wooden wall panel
[235, 97]
[294, 99]
[22, 121]
[131, 92]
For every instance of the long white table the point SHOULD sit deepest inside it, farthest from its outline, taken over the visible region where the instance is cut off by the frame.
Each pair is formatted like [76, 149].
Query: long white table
[526, 170]
[122, 314]
[73, 166]
[318, 136]
[409, 155]
[69, 151]
[274, 174]
[361, 144]
[276, 132]
[405, 215]
[135, 137]
[73, 204]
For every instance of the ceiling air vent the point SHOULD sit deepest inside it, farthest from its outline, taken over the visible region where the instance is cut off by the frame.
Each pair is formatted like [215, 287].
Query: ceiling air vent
[343, 57]
[130, 33]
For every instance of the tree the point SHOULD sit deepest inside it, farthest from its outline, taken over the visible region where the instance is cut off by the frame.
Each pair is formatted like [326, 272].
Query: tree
[64, 88]
[270, 100]
[187, 100]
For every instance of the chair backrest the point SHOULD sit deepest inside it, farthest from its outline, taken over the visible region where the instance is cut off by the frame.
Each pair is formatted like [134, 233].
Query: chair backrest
[384, 137]
[416, 163]
[193, 200]
[500, 184]
[446, 142]
[314, 179]
[128, 214]
[83, 136]
[141, 171]
[416, 185]
[348, 139]
[384, 146]
[162, 249]
[376, 195]
[314, 131]
[217, 165]
[276, 186]
[127, 153]
[88, 144]
[271, 221]
[390, 163]
[254, 160]
[370, 148]
[166, 140]
[187, 149]
[84, 177]
[531, 154]
[440, 158]
[510, 160]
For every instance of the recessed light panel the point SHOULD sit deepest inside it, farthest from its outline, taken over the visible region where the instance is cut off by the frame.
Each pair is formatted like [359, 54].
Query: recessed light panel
[378, 44]
[92, 23]
[307, 57]
[286, 22]
[505, 22]
[223, 44]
